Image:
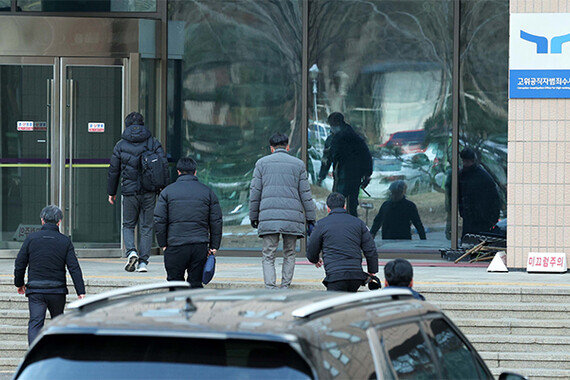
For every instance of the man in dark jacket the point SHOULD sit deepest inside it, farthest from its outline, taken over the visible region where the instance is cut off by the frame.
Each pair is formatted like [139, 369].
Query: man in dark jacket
[280, 202]
[399, 273]
[479, 204]
[138, 202]
[397, 214]
[350, 158]
[341, 237]
[46, 253]
[188, 223]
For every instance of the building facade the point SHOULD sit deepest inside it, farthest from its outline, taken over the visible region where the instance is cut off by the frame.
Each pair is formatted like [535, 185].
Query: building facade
[418, 80]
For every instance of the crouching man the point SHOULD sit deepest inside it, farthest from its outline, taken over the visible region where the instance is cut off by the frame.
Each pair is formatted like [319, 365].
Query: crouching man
[46, 253]
[341, 237]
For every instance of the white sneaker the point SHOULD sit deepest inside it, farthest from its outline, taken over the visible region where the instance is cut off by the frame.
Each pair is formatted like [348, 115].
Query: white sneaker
[142, 267]
[132, 260]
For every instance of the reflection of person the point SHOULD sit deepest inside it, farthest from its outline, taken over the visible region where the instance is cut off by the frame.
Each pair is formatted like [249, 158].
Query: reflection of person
[397, 214]
[399, 273]
[350, 158]
[188, 222]
[280, 202]
[341, 237]
[138, 204]
[478, 197]
[46, 253]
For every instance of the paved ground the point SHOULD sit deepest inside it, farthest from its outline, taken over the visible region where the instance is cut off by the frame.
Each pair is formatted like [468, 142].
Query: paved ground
[247, 270]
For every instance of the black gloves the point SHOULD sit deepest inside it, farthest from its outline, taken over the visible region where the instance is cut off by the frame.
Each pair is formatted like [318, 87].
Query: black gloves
[254, 223]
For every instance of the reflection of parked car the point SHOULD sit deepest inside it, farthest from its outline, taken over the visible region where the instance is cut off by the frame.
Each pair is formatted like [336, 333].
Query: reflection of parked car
[411, 168]
[252, 334]
[407, 141]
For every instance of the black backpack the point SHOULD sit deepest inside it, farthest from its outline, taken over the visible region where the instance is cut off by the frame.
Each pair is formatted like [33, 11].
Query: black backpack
[152, 169]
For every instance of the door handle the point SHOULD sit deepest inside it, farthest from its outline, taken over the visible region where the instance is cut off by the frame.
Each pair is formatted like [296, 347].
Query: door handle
[71, 125]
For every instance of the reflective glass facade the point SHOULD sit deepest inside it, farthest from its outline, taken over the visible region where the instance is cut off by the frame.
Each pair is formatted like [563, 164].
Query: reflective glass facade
[238, 82]
[386, 65]
[86, 5]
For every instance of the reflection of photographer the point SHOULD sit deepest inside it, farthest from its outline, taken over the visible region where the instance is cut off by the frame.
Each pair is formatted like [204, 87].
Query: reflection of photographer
[350, 158]
[479, 204]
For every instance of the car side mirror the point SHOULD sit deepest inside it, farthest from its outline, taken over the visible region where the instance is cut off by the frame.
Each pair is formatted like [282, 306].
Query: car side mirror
[511, 376]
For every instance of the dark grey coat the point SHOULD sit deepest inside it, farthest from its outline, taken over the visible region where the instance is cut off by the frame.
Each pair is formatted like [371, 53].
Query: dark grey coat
[280, 195]
[342, 237]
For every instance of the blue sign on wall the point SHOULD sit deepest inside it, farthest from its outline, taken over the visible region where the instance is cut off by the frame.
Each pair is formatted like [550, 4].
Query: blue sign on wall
[539, 84]
[539, 55]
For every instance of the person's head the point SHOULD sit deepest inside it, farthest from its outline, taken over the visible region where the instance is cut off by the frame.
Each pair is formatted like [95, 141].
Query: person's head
[278, 141]
[51, 214]
[186, 165]
[335, 200]
[468, 156]
[134, 118]
[399, 272]
[336, 121]
[398, 190]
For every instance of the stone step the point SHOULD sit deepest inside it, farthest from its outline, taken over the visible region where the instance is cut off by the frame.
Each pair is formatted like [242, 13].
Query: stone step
[488, 310]
[465, 293]
[514, 343]
[8, 367]
[15, 317]
[546, 360]
[534, 373]
[13, 333]
[13, 348]
[511, 326]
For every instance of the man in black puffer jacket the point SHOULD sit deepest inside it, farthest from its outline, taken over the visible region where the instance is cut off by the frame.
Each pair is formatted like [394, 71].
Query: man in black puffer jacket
[138, 203]
[478, 199]
[341, 237]
[188, 223]
[46, 253]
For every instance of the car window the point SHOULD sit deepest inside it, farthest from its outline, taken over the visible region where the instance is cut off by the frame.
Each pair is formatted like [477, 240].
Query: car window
[88, 357]
[455, 357]
[408, 351]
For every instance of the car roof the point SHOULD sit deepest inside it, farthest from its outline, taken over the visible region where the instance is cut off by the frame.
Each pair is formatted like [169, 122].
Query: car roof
[267, 314]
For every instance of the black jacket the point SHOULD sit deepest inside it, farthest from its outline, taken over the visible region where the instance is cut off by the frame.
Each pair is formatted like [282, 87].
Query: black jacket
[188, 212]
[349, 155]
[126, 160]
[341, 237]
[395, 218]
[478, 196]
[46, 253]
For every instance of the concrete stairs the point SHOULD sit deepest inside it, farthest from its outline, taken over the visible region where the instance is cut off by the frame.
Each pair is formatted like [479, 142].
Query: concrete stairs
[525, 330]
[517, 329]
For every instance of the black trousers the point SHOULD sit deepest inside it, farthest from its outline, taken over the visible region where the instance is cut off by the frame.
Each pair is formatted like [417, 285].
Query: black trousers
[189, 258]
[350, 190]
[344, 285]
[38, 303]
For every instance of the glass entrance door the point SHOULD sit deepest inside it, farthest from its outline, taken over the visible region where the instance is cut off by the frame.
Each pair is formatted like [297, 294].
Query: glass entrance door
[94, 100]
[26, 94]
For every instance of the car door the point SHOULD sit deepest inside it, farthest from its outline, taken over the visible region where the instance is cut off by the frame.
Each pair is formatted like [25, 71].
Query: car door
[407, 351]
[454, 354]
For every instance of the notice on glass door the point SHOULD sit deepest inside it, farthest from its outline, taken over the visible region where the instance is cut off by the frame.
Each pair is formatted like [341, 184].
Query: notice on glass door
[96, 127]
[25, 126]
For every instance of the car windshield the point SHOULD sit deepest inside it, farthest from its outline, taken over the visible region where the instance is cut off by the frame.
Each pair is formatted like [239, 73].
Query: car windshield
[125, 357]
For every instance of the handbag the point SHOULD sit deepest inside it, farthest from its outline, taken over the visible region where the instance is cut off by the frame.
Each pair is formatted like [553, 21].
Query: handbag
[209, 269]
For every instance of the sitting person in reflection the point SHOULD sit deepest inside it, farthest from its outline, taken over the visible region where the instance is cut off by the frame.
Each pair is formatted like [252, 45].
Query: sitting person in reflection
[397, 214]
[399, 273]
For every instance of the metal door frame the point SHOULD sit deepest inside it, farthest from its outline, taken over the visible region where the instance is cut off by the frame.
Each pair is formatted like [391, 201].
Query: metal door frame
[66, 127]
[52, 95]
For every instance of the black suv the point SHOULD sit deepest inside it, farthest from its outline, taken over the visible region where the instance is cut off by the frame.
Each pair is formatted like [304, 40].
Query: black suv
[137, 333]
